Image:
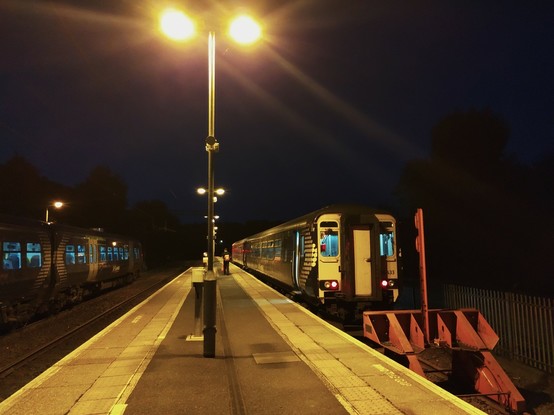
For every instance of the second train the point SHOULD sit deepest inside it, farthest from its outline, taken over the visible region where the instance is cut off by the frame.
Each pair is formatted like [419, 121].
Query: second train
[342, 258]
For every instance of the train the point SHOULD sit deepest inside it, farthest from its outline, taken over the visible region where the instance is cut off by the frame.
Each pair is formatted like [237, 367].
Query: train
[341, 258]
[48, 266]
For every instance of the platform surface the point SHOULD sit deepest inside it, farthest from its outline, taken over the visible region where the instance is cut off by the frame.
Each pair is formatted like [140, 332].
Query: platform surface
[272, 357]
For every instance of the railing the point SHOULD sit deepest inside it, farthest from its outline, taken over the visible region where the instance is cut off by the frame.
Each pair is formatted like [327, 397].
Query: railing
[524, 324]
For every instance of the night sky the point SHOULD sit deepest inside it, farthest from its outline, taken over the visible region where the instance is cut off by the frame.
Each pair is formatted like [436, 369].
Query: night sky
[326, 109]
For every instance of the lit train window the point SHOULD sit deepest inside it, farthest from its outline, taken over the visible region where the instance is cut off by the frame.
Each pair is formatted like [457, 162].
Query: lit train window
[121, 257]
[110, 254]
[386, 243]
[102, 249]
[126, 253]
[81, 256]
[329, 239]
[34, 255]
[11, 255]
[70, 254]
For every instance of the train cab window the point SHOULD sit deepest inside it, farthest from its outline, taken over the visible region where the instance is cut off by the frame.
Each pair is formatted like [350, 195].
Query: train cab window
[34, 255]
[11, 255]
[81, 255]
[136, 252]
[329, 239]
[102, 249]
[70, 255]
[386, 240]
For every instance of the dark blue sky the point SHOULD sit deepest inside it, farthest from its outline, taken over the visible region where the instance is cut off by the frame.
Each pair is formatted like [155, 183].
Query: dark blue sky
[327, 109]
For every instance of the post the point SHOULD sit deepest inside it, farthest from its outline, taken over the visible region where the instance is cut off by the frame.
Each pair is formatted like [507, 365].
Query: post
[210, 282]
[420, 246]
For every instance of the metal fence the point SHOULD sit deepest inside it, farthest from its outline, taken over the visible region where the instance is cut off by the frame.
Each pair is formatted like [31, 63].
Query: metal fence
[524, 324]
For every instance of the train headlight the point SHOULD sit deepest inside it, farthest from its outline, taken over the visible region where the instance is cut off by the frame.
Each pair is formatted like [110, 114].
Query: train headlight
[332, 285]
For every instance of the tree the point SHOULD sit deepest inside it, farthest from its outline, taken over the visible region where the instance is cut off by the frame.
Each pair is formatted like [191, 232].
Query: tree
[25, 192]
[101, 201]
[474, 198]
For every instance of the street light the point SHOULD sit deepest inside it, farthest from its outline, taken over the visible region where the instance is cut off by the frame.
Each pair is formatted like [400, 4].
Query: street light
[178, 26]
[57, 204]
[219, 192]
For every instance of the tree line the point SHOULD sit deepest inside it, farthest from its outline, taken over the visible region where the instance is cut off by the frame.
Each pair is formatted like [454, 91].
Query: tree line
[100, 201]
[488, 217]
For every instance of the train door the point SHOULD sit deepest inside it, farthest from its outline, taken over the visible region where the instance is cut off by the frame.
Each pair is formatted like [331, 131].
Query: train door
[387, 251]
[362, 262]
[298, 250]
[329, 254]
[92, 259]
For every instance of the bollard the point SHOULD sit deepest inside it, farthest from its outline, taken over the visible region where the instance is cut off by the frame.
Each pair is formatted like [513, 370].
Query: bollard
[198, 284]
[210, 302]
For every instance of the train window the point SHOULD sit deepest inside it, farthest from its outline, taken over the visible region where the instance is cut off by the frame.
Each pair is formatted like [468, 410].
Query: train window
[102, 249]
[121, 257]
[81, 255]
[137, 253]
[34, 255]
[11, 255]
[126, 253]
[115, 254]
[110, 254]
[329, 242]
[70, 254]
[386, 243]
[278, 249]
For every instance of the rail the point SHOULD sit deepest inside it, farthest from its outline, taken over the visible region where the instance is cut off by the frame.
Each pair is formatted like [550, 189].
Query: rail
[525, 324]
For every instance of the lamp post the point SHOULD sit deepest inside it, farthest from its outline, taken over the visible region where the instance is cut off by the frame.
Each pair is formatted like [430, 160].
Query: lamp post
[243, 29]
[56, 204]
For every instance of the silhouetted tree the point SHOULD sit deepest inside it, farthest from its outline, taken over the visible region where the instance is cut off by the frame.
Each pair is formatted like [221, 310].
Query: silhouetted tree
[475, 201]
[25, 192]
[101, 201]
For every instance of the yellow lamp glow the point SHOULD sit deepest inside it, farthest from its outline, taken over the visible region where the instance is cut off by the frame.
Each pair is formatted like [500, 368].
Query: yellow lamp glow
[245, 30]
[176, 25]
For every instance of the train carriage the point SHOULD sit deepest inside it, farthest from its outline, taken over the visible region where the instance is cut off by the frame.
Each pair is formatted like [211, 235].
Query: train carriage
[341, 257]
[26, 262]
[46, 266]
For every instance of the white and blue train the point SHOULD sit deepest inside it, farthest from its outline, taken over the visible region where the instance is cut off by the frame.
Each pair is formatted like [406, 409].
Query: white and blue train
[46, 266]
[342, 258]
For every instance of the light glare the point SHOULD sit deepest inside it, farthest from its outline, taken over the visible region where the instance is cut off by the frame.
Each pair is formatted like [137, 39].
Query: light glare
[245, 30]
[176, 25]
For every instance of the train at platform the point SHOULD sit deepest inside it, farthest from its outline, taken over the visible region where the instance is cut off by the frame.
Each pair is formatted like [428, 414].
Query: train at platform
[341, 258]
[47, 266]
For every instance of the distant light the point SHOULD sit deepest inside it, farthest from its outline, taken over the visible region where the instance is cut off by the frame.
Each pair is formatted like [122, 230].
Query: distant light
[245, 30]
[177, 25]
[201, 191]
[219, 192]
[58, 204]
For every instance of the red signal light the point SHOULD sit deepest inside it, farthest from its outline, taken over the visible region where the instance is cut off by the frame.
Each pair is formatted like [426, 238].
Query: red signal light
[384, 283]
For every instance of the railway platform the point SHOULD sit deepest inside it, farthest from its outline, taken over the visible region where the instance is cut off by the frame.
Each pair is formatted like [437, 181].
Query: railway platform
[272, 357]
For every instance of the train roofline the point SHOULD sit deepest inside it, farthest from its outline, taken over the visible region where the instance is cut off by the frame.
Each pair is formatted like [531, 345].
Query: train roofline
[310, 217]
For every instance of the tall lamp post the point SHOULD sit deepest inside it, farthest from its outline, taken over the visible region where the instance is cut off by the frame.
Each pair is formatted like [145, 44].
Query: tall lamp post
[178, 26]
